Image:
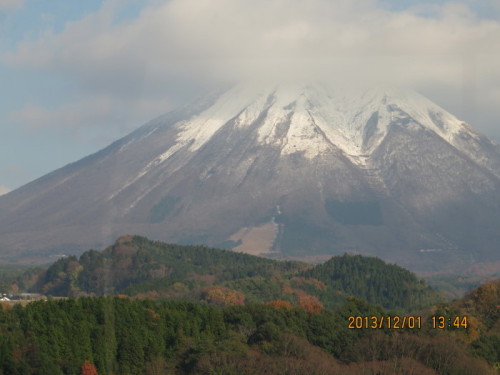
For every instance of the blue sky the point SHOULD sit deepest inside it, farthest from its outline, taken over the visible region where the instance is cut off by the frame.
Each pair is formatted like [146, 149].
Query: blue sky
[76, 75]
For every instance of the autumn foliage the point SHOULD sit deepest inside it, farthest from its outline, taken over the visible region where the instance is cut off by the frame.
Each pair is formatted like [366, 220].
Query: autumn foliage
[310, 304]
[485, 302]
[223, 296]
[287, 289]
[89, 369]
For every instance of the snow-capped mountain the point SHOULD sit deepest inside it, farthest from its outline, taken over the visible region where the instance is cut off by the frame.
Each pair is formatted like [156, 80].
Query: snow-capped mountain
[286, 171]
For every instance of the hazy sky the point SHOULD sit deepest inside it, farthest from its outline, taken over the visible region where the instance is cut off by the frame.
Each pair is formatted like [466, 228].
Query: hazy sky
[76, 75]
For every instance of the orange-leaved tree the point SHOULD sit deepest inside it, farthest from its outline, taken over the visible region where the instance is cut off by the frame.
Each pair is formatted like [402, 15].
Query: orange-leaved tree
[89, 369]
[223, 296]
[310, 304]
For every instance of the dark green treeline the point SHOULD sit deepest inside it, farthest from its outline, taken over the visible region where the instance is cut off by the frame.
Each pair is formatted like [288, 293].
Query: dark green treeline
[143, 337]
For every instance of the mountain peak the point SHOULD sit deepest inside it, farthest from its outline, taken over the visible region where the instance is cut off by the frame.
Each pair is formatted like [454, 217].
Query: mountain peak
[314, 119]
[283, 170]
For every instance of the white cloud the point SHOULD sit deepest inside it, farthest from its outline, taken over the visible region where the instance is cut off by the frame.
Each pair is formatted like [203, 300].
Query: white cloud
[4, 190]
[181, 43]
[211, 36]
[90, 115]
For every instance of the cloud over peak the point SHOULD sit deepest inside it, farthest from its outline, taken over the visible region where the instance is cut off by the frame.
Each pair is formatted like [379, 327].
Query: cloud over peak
[178, 44]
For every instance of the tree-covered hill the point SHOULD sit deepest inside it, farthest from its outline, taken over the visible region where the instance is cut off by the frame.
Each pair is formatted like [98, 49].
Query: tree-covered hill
[136, 266]
[374, 281]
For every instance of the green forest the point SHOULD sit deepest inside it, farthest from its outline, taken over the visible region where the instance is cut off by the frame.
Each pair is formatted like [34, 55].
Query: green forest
[138, 267]
[144, 307]
[118, 335]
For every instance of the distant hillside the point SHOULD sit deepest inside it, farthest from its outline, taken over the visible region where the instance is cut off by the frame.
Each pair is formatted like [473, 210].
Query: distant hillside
[374, 281]
[132, 261]
[455, 286]
[136, 266]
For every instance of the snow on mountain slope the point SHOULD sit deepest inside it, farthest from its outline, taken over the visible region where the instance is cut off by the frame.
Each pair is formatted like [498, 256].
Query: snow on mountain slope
[319, 170]
[317, 118]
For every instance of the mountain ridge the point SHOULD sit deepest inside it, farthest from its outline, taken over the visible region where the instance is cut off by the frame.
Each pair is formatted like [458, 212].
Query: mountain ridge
[283, 157]
[139, 267]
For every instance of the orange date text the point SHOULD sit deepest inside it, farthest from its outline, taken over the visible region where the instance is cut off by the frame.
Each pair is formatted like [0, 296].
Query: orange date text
[384, 322]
